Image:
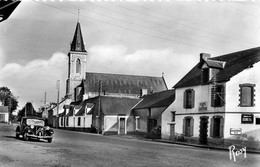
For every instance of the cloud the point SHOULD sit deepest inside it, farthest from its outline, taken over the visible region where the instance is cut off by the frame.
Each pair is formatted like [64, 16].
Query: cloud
[2, 58]
[148, 62]
[30, 81]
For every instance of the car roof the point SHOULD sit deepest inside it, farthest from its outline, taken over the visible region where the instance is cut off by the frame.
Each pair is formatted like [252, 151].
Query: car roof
[32, 117]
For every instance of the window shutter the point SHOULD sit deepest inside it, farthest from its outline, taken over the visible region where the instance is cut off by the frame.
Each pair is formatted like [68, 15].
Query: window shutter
[211, 126]
[221, 133]
[191, 126]
[184, 99]
[212, 97]
[184, 126]
[222, 102]
[192, 98]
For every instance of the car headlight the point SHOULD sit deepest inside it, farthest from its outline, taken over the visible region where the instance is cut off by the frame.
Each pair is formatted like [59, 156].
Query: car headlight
[32, 126]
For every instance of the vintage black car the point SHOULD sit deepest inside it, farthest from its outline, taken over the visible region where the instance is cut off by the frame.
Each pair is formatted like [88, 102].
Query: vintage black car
[34, 128]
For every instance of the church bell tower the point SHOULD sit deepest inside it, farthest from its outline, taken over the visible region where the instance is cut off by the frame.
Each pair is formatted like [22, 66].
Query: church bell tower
[77, 62]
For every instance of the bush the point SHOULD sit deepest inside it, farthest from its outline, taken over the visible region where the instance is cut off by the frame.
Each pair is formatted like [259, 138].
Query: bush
[155, 133]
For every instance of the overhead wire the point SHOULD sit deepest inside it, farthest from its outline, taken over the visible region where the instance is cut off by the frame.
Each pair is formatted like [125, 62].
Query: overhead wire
[181, 24]
[141, 26]
[127, 28]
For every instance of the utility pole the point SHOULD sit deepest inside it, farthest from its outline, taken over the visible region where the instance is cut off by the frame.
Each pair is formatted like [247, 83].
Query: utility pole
[58, 97]
[99, 106]
[45, 97]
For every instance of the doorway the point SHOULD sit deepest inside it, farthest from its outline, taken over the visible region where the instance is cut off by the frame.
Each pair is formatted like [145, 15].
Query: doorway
[172, 131]
[204, 130]
[122, 126]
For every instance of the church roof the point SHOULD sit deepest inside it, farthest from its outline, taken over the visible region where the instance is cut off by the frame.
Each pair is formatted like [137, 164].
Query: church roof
[125, 84]
[234, 63]
[77, 42]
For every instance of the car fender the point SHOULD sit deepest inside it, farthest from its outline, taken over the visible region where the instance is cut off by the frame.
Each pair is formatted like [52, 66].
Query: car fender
[17, 129]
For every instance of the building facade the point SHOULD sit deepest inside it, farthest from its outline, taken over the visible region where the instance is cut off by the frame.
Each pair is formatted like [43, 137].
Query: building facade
[217, 102]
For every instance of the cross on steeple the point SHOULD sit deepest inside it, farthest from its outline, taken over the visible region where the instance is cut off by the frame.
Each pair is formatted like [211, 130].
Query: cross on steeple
[78, 15]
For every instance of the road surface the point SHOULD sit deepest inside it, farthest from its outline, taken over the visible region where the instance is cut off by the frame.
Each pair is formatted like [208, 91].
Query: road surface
[70, 149]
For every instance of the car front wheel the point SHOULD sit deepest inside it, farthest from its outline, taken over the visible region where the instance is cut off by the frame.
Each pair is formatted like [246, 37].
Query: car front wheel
[25, 137]
[49, 140]
[17, 135]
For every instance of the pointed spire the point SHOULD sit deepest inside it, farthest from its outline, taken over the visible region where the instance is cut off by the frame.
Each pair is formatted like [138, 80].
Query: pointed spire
[77, 42]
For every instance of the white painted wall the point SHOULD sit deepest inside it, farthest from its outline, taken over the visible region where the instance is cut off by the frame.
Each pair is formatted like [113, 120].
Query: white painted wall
[110, 123]
[202, 94]
[250, 75]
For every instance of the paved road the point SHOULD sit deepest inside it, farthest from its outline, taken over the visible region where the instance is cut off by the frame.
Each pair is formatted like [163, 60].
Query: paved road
[81, 149]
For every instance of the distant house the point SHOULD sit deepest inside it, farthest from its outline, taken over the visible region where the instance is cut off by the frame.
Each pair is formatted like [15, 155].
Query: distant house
[4, 114]
[217, 102]
[149, 110]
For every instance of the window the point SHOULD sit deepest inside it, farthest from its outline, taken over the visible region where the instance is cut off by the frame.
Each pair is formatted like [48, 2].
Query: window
[247, 118]
[257, 121]
[189, 98]
[79, 121]
[246, 95]
[217, 96]
[188, 123]
[205, 76]
[78, 66]
[137, 123]
[216, 127]
[173, 116]
[61, 122]
[67, 122]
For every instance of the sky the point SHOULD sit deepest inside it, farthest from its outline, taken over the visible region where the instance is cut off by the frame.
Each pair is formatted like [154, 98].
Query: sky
[150, 38]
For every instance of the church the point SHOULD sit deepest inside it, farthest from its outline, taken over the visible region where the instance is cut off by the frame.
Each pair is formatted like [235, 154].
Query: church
[103, 102]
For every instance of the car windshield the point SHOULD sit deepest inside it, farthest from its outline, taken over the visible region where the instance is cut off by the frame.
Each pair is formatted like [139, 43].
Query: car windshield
[35, 122]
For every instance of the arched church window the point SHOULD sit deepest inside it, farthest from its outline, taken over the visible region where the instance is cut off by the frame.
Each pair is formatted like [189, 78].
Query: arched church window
[78, 66]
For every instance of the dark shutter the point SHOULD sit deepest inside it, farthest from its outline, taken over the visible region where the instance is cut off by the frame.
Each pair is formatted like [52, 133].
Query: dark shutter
[184, 126]
[222, 100]
[184, 99]
[192, 98]
[211, 126]
[212, 97]
[191, 126]
[221, 133]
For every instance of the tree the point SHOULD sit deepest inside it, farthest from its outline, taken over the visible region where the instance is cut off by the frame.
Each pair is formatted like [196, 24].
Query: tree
[27, 110]
[8, 98]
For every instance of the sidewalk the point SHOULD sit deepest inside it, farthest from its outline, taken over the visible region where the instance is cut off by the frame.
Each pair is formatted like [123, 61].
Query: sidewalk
[182, 143]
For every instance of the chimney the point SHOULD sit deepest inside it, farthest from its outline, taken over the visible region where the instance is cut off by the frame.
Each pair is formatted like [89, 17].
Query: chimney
[204, 56]
[143, 92]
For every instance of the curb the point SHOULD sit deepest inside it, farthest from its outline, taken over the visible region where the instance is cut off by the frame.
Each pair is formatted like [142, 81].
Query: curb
[201, 146]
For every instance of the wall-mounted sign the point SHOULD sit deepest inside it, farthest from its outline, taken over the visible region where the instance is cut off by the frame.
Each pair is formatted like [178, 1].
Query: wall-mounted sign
[235, 131]
[203, 106]
[247, 118]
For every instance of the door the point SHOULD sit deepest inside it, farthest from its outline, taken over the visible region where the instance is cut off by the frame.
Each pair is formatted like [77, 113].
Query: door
[188, 127]
[203, 130]
[2, 118]
[172, 131]
[122, 126]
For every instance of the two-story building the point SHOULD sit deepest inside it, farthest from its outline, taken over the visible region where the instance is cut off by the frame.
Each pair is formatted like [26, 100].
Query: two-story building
[217, 102]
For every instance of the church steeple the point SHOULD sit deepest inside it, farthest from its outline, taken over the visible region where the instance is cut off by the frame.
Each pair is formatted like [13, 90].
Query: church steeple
[77, 42]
